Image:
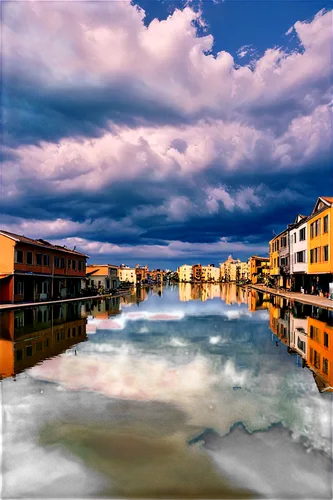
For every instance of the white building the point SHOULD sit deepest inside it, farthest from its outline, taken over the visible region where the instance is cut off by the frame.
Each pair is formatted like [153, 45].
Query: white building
[185, 273]
[298, 251]
[210, 273]
[127, 274]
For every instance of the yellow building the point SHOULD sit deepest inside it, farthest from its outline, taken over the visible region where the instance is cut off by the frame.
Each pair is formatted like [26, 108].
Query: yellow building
[185, 273]
[320, 244]
[127, 274]
[258, 268]
[279, 257]
[233, 270]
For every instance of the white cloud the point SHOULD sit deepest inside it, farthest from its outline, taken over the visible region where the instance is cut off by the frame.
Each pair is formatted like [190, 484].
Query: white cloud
[233, 120]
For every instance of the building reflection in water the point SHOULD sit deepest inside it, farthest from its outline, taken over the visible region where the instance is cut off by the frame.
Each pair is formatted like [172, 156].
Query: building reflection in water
[228, 292]
[30, 335]
[308, 332]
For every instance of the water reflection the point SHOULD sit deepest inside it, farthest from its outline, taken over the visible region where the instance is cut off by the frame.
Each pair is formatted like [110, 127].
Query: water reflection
[28, 336]
[189, 395]
[307, 331]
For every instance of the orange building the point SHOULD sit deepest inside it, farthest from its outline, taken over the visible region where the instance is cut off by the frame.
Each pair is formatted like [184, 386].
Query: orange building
[197, 272]
[320, 244]
[35, 270]
[102, 275]
[320, 352]
[156, 275]
[259, 268]
[141, 273]
[28, 336]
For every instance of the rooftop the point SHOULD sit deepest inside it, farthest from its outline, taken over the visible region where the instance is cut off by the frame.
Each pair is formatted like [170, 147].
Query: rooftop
[40, 243]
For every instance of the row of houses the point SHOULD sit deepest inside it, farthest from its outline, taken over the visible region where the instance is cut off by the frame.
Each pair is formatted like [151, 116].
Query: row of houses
[301, 256]
[35, 270]
[230, 271]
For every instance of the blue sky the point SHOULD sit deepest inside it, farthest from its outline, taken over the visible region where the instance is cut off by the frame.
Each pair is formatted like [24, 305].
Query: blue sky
[164, 132]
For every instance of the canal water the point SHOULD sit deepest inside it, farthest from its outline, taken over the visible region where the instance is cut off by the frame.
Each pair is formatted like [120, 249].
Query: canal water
[175, 392]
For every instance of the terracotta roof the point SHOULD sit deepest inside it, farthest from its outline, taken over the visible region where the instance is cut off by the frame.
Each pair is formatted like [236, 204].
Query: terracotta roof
[327, 198]
[40, 243]
[99, 270]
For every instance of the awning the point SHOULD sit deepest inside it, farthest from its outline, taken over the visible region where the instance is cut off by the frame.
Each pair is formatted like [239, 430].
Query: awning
[3, 276]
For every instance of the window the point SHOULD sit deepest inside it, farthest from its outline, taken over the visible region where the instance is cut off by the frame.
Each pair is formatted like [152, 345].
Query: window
[38, 259]
[315, 228]
[28, 350]
[325, 366]
[316, 360]
[29, 258]
[68, 333]
[314, 333]
[325, 224]
[69, 263]
[73, 332]
[79, 331]
[315, 255]
[18, 287]
[301, 345]
[74, 265]
[294, 237]
[81, 265]
[283, 241]
[59, 262]
[302, 234]
[325, 339]
[19, 355]
[18, 257]
[300, 256]
[325, 253]
[46, 260]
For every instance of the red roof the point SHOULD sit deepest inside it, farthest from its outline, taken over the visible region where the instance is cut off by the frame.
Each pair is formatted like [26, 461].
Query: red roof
[41, 243]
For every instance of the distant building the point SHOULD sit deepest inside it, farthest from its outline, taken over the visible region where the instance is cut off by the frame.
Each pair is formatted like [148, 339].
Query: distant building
[141, 273]
[197, 273]
[127, 274]
[185, 273]
[210, 274]
[234, 270]
[35, 270]
[157, 275]
[258, 268]
[102, 275]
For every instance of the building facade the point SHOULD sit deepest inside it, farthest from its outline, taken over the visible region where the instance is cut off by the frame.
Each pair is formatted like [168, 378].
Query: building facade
[210, 274]
[102, 276]
[234, 270]
[298, 239]
[185, 273]
[35, 270]
[259, 268]
[320, 245]
[197, 273]
[127, 274]
[141, 273]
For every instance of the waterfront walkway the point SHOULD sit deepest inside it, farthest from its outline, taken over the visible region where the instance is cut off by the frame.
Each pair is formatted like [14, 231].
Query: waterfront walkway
[50, 302]
[313, 300]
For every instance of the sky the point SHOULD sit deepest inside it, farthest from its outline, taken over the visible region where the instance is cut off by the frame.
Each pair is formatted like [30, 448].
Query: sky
[164, 133]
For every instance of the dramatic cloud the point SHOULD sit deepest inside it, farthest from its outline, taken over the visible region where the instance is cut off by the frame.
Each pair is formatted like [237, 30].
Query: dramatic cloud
[119, 132]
